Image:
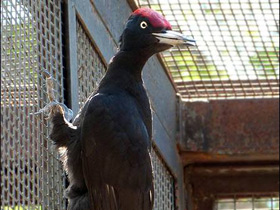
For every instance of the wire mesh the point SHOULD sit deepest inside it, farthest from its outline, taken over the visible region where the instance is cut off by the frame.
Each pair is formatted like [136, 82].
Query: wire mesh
[90, 66]
[237, 49]
[31, 175]
[90, 71]
[250, 202]
[164, 184]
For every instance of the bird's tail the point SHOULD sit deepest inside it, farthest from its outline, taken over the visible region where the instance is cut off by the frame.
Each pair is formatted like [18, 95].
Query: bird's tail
[103, 198]
[134, 200]
[110, 198]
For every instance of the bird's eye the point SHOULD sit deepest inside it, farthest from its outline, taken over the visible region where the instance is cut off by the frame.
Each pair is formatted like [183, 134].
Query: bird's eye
[143, 25]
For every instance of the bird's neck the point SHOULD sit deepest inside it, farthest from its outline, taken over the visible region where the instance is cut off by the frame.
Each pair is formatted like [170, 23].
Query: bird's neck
[130, 62]
[125, 68]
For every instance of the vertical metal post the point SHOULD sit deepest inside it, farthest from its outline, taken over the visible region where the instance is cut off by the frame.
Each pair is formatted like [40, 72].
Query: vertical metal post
[72, 47]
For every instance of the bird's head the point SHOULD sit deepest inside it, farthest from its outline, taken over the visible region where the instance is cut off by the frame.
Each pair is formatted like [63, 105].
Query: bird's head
[148, 31]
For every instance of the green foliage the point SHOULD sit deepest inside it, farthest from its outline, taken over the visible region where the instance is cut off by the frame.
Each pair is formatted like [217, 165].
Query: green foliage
[266, 63]
[191, 68]
[20, 44]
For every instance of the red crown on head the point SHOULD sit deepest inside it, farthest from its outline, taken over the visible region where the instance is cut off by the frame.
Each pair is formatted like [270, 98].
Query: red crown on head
[156, 19]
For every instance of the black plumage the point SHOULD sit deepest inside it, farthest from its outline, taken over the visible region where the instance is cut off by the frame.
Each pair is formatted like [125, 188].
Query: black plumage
[106, 150]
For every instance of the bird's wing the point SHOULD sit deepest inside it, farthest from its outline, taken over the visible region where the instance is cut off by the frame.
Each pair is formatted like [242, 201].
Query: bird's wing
[115, 153]
[81, 114]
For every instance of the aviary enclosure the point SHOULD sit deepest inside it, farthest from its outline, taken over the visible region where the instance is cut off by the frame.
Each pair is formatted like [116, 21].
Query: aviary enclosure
[235, 64]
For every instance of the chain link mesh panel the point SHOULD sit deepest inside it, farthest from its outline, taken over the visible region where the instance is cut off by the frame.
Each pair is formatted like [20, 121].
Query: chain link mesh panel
[31, 174]
[237, 49]
[90, 67]
[247, 201]
[91, 70]
[163, 183]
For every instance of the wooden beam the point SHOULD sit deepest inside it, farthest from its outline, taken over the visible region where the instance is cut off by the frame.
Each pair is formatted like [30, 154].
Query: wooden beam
[189, 157]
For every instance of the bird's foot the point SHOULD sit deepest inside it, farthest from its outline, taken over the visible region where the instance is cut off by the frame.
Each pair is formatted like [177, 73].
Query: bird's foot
[54, 107]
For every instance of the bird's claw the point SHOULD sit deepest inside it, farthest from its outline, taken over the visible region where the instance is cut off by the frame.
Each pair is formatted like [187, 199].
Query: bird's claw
[54, 107]
[45, 109]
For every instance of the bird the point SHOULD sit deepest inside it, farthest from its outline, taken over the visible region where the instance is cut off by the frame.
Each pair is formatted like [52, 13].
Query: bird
[106, 149]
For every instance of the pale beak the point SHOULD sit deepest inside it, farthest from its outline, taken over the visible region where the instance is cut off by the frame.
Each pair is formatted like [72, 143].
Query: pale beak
[174, 38]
